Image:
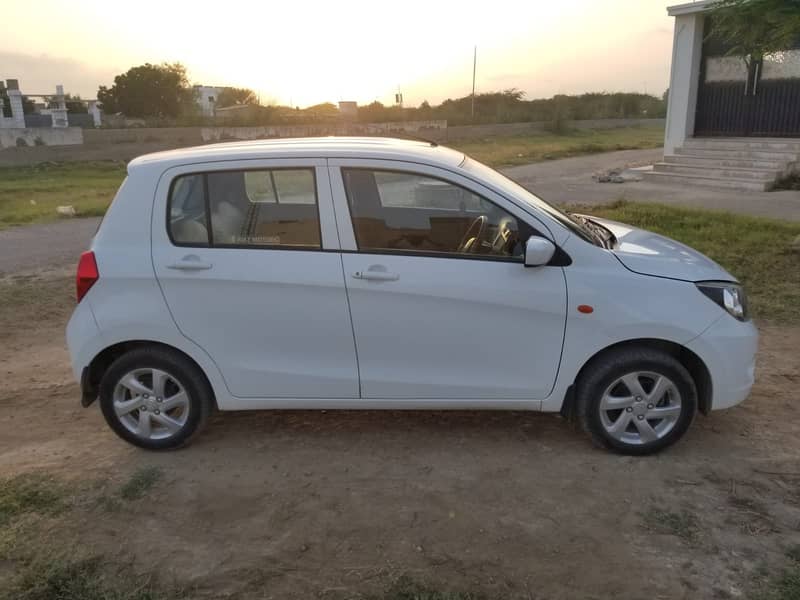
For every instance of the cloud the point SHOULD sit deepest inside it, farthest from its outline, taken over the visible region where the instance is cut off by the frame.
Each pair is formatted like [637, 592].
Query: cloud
[40, 74]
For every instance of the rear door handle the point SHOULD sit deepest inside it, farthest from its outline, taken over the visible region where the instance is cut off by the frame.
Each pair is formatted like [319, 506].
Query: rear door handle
[191, 262]
[376, 273]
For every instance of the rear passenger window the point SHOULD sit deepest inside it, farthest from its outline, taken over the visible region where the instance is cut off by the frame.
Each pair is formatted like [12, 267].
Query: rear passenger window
[266, 207]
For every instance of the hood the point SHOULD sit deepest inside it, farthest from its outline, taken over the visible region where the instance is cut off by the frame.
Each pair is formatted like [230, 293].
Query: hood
[652, 254]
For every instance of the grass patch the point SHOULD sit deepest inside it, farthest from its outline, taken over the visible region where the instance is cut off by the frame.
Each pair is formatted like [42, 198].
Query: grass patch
[519, 150]
[30, 194]
[141, 482]
[681, 524]
[29, 494]
[785, 586]
[83, 579]
[755, 250]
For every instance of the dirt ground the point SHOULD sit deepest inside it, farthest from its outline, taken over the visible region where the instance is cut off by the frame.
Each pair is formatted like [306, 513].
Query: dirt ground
[336, 504]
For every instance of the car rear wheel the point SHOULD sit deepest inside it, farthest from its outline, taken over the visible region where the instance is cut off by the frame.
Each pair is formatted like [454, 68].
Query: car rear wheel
[155, 398]
[636, 400]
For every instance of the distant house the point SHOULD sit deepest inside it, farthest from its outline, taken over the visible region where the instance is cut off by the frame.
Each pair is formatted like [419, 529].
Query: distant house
[207, 97]
[239, 112]
[728, 123]
[348, 109]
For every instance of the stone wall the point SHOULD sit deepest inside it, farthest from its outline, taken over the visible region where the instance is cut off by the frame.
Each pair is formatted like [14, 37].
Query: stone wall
[126, 144]
[40, 136]
[173, 136]
[463, 132]
[217, 134]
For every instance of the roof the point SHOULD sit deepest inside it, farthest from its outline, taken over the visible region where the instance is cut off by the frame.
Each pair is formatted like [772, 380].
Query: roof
[689, 8]
[321, 147]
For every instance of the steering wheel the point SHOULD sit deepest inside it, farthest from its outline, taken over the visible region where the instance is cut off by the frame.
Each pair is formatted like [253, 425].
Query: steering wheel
[472, 238]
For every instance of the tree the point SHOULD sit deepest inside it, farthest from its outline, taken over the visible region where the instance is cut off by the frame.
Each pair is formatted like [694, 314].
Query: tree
[755, 28]
[74, 104]
[232, 96]
[149, 91]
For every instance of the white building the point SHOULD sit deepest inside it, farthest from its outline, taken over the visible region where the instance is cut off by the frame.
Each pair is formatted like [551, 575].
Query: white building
[731, 123]
[207, 97]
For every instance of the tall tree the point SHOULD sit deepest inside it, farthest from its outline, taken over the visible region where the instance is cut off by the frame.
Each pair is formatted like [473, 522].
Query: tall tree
[232, 96]
[755, 28]
[149, 91]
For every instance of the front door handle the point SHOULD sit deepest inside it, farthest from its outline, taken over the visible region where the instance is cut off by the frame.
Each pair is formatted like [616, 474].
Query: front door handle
[376, 273]
[190, 262]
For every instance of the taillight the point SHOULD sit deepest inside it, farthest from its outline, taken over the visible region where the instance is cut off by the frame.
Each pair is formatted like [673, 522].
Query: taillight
[87, 274]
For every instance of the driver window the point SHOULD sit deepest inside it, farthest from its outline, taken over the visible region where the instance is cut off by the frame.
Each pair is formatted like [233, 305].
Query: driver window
[408, 212]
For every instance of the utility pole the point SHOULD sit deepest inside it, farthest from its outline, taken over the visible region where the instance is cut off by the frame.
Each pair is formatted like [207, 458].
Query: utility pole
[474, 66]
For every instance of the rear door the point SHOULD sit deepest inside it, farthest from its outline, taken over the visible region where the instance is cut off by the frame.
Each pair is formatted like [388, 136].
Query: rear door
[442, 304]
[246, 258]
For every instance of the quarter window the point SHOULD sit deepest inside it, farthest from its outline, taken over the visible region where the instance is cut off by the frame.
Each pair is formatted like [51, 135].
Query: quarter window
[266, 207]
[409, 212]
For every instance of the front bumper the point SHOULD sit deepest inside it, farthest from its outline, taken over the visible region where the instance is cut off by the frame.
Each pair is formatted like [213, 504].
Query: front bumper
[728, 349]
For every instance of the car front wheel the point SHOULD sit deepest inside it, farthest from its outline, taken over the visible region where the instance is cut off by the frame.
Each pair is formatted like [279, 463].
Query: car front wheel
[636, 400]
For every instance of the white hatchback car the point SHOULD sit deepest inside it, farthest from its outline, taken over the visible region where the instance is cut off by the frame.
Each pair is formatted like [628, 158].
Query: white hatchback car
[374, 273]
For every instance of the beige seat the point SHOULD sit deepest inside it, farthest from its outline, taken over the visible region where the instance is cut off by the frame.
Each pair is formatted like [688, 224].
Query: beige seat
[189, 232]
[226, 223]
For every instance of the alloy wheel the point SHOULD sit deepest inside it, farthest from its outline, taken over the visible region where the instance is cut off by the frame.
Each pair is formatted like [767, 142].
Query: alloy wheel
[640, 407]
[151, 403]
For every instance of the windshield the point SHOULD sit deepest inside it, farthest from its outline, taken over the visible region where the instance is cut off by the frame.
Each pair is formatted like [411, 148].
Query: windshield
[575, 224]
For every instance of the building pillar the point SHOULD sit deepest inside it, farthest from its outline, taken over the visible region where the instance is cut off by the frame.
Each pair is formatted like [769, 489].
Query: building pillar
[687, 50]
[17, 109]
[59, 114]
[94, 110]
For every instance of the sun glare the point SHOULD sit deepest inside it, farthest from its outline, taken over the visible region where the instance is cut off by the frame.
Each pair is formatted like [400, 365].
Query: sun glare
[307, 53]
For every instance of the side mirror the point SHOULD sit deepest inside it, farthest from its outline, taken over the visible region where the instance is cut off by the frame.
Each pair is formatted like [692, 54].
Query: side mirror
[538, 251]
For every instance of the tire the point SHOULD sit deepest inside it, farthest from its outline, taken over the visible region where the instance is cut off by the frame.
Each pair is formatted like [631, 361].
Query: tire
[635, 400]
[155, 398]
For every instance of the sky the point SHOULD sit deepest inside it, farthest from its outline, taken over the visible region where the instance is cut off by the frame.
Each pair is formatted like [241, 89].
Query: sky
[311, 51]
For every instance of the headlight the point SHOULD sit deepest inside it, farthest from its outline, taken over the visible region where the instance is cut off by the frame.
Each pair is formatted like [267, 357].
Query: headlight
[729, 296]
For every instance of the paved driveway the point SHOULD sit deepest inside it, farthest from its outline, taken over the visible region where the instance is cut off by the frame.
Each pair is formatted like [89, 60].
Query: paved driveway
[566, 181]
[569, 181]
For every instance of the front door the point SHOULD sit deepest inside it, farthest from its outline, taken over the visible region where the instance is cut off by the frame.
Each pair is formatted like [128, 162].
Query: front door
[442, 305]
[243, 266]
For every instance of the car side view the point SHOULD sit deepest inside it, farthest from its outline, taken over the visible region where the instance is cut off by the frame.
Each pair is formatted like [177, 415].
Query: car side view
[373, 273]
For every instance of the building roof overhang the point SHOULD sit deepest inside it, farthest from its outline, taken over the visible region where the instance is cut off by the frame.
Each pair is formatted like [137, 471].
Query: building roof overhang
[689, 8]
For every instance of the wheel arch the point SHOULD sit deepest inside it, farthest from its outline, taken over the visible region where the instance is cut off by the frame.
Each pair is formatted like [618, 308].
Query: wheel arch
[691, 361]
[93, 373]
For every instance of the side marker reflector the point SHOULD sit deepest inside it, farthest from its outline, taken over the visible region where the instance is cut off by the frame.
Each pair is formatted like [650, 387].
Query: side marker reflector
[585, 309]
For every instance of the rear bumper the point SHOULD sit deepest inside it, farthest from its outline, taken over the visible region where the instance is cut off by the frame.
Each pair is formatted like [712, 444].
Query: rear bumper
[82, 335]
[728, 349]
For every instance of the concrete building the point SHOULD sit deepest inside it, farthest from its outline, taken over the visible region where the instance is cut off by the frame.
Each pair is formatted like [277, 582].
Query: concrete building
[16, 120]
[207, 97]
[348, 110]
[729, 124]
[50, 111]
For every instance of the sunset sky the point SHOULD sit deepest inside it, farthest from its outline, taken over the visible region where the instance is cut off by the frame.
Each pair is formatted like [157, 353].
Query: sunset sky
[308, 52]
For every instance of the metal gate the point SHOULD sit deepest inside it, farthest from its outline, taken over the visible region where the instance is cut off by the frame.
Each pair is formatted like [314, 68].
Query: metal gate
[762, 99]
